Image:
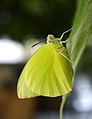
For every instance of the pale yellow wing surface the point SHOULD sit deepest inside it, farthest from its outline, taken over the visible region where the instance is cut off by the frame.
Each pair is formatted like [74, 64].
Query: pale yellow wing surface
[48, 73]
[22, 90]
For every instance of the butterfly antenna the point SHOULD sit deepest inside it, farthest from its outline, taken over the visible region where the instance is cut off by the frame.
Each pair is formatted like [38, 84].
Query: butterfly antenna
[64, 33]
[36, 44]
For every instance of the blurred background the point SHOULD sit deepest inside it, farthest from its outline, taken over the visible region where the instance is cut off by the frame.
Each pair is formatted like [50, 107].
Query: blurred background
[22, 24]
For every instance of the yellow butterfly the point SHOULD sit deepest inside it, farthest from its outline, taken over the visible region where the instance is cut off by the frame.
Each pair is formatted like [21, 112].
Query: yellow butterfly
[48, 72]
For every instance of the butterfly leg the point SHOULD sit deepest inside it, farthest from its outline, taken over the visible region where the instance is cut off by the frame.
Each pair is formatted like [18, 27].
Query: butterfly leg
[61, 52]
[66, 57]
[61, 49]
[63, 41]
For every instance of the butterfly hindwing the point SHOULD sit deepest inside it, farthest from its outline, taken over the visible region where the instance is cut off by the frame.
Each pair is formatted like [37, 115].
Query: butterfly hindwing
[22, 89]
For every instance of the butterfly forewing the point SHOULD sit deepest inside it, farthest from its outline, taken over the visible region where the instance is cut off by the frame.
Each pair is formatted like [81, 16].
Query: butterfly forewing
[48, 73]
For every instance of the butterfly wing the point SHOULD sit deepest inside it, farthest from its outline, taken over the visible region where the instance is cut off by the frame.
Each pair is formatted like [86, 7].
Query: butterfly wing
[48, 73]
[22, 90]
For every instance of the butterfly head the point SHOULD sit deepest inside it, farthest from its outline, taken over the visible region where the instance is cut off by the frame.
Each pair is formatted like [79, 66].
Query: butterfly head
[52, 39]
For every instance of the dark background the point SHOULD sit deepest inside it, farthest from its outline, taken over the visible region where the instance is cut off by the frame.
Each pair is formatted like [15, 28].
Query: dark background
[35, 18]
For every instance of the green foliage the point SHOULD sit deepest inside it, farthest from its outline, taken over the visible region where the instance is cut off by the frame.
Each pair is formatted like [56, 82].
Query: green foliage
[35, 18]
[81, 33]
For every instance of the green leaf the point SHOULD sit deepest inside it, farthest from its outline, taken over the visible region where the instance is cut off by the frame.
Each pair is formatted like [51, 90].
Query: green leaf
[81, 33]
